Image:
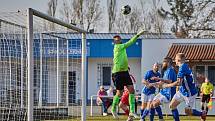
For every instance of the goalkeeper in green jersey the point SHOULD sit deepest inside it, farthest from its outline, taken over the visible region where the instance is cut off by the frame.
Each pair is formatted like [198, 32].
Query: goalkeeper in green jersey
[121, 76]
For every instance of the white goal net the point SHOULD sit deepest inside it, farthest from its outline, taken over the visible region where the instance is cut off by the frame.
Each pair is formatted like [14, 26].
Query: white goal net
[49, 83]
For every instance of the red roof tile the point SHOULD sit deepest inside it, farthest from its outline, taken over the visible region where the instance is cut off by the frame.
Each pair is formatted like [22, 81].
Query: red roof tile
[194, 51]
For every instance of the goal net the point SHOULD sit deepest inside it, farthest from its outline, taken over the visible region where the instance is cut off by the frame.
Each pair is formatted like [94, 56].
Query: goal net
[40, 68]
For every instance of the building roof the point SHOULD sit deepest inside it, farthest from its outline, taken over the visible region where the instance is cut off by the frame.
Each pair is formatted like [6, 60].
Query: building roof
[110, 35]
[193, 51]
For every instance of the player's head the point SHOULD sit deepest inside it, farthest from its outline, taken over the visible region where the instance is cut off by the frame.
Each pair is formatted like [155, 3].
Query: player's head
[125, 88]
[117, 39]
[101, 88]
[206, 80]
[155, 67]
[179, 58]
[167, 62]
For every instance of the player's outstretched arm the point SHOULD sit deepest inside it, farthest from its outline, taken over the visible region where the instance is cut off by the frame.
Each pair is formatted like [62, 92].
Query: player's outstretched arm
[145, 82]
[133, 39]
[166, 81]
[156, 85]
[176, 83]
[161, 79]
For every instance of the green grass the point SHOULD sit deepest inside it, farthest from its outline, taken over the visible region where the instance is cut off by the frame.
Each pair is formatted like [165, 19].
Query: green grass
[123, 118]
[169, 118]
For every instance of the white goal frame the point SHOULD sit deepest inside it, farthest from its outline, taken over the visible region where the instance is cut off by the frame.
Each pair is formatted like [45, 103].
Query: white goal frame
[30, 103]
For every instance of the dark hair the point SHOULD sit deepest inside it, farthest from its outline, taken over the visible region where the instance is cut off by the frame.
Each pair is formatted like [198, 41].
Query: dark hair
[169, 60]
[117, 36]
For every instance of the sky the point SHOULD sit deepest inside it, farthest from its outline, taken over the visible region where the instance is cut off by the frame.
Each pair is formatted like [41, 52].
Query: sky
[15, 5]
[41, 5]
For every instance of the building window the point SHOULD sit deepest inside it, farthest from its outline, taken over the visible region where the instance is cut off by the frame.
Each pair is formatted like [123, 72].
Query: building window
[211, 74]
[64, 87]
[106, 77]
[204, 71]
[200, 70]
[104, 74]
[200, 74]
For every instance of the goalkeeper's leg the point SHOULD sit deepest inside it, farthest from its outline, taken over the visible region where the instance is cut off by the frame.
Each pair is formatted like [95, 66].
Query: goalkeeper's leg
[115, 103]
[132, 101]
[119, 84]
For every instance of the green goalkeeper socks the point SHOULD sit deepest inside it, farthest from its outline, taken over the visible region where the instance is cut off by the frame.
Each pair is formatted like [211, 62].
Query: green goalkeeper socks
[115, 103]
[132, 102]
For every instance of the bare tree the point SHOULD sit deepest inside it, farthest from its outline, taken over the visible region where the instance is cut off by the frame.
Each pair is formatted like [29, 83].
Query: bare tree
[52, 7]
[192, 18]
[129, 23]
[70, 11]
[135, 21]
[152, 21]
[93, 13]
[121, 24]
[83, 13]
[145, 16]
[65, 11]
[158, 21]
[111, 6]
[202, 23]
[77, 16]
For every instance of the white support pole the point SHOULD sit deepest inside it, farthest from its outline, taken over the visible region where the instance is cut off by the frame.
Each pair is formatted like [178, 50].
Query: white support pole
[30, 103]
[67, 74]
[10, 81]
[91, 105]
[58, 72]
[83, 78]
[22, 65]
[41, 72]
[10, 71]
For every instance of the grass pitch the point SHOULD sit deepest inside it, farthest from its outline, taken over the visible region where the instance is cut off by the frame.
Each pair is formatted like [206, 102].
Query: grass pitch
[123, 118]
[168, 118]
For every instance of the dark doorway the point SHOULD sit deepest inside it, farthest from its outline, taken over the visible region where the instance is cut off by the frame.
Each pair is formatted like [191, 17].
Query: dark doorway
[211, 74]
[106, 76]
[72, 87]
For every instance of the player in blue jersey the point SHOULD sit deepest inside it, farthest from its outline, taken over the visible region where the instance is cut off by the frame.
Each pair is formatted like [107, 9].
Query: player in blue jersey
[148, 91]
[165, 95]
[187, 90]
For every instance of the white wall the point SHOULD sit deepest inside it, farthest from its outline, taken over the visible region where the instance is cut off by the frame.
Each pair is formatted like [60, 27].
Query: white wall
[74, 65]
[154, 50]
[134, 63]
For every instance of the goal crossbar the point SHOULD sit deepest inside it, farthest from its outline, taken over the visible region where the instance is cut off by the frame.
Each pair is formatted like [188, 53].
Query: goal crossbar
[55, 20]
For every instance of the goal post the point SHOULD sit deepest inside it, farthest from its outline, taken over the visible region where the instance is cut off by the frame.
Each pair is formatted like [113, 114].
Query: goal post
[30, 103]
[83, 76]
[30, 13]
